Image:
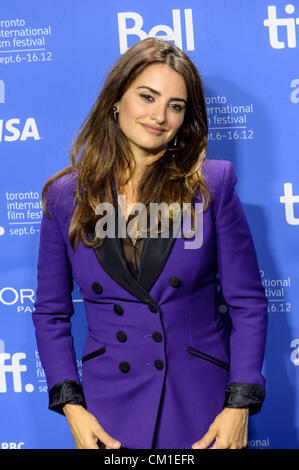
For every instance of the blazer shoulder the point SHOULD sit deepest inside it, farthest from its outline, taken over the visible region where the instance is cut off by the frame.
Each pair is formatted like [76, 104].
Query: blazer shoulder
[219, 176]
[60, 194]
[215, 171]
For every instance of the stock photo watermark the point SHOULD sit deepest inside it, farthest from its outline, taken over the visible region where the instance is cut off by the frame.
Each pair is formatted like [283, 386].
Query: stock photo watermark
[138, 226]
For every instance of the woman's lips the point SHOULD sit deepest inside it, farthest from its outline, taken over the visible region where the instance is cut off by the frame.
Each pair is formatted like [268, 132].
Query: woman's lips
[153, 130]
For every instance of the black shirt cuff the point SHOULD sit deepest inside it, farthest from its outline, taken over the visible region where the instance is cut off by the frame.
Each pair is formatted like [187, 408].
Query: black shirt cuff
[244, 395]
[66, 391]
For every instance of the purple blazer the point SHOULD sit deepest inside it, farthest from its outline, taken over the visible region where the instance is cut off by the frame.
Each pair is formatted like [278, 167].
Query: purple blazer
[158, 364]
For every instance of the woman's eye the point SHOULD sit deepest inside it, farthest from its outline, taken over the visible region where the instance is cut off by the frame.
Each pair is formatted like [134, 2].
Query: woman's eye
[177, 107]
[174, 106]
[147, 97]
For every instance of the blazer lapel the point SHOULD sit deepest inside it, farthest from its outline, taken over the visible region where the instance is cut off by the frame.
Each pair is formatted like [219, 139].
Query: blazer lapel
[153, 258]
[110, 256]
[154, 255]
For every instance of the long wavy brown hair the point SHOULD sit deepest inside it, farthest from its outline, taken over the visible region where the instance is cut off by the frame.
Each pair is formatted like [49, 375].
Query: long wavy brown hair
[100, 153]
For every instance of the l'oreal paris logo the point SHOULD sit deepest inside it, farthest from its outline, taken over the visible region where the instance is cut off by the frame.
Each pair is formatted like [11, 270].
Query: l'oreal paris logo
[288, 24]
[11, 296]
[168, 33]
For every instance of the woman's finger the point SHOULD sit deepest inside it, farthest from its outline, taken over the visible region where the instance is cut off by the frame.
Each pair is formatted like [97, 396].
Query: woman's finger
[105, 440]
[206, 440]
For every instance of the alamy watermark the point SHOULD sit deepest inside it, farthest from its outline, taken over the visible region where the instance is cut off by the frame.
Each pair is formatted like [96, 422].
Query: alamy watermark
[138, 226]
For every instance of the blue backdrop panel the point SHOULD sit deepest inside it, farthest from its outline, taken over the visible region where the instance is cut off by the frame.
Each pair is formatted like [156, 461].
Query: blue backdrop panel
[53, 62]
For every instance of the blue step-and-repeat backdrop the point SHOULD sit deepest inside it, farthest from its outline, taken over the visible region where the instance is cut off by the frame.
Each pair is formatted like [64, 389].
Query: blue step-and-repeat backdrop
[54, 57]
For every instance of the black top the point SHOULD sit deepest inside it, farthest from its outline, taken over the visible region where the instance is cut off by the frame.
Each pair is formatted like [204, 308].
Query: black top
[132, 253]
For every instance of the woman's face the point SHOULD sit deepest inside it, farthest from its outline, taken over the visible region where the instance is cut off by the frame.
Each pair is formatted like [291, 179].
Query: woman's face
[152, 109]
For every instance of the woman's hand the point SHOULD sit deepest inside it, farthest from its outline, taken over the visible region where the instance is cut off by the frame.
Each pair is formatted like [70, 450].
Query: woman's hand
[229, 430]
[86, 429]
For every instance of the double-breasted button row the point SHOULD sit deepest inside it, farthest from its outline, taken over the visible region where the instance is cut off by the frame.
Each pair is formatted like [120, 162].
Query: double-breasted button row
[125, 366]
[122, 337]
[98, 289]
[119, 310]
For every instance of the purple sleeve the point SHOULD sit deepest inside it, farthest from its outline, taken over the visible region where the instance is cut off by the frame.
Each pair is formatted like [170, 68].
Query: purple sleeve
[241, 284]
[53, 307]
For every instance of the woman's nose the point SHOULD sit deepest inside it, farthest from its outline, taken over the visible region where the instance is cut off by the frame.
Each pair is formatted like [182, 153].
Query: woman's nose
[158, 114]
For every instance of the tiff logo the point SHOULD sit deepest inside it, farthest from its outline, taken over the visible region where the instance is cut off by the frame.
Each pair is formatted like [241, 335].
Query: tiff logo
[14, 367]
[288, 200]
[272, 22]
[170, 34]
[2, 92]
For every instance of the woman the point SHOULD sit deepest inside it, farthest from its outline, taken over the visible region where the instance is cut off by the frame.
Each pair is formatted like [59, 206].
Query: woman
[159, 368]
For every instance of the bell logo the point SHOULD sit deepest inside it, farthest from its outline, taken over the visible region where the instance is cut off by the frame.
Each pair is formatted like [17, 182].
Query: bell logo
[170, 34]
[272, 22]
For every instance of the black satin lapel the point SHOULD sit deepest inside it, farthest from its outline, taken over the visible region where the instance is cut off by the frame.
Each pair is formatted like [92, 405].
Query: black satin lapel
[111, 257]
[153, 258]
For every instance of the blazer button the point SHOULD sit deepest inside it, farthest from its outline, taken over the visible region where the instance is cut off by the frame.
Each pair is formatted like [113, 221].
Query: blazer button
[124, 366]
[157, 336]
[174, 281]
[121, 336]
[118, 309]
[97, 288]
[159, 364]
[153, 308]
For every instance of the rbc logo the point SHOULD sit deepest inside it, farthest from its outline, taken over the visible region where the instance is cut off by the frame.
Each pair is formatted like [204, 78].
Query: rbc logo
[174, 34]
[272, 22]
[12, 445]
